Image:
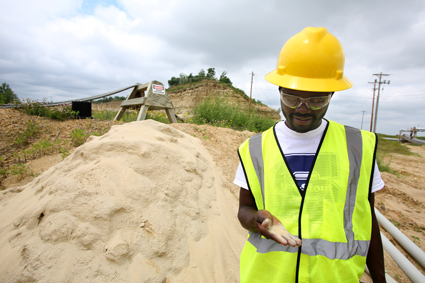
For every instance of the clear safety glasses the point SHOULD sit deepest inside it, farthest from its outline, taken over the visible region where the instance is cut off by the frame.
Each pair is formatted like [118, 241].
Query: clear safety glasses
[314, 103]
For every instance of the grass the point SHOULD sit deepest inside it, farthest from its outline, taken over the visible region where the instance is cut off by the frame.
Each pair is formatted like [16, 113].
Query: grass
[32, 131]
[385, 150]
[392, 146]
[217, 112]
[78, 137]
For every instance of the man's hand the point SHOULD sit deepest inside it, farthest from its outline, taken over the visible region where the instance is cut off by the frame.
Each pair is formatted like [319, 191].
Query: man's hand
[271, 228]
[262, 221]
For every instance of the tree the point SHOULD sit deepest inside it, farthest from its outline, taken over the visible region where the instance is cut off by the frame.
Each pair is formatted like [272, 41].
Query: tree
[211, 73]
[183, 78]
[201, 74]
[224, 78]
[6, 94]
[173, 81]
[190, 78]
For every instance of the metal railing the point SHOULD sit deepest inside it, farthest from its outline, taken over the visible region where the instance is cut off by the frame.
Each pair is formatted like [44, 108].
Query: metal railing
[90, 98]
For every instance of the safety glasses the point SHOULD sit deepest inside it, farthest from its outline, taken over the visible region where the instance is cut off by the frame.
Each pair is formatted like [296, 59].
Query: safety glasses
[314, 103]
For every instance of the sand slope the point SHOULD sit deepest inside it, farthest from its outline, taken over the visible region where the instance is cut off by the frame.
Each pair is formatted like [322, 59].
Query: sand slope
[143, 203]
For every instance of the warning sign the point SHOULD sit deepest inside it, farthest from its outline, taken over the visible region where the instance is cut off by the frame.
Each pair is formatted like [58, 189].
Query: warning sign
[158, 89]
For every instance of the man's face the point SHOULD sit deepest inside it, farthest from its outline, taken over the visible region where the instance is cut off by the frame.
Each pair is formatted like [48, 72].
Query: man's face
[303, 119]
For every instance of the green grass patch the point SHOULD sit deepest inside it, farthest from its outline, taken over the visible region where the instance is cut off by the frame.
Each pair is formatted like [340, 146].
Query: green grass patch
[218, 112]
[388, 146]
[385, 150]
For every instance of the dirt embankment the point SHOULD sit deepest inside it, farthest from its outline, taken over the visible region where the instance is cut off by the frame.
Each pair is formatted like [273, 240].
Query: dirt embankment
[185, 99]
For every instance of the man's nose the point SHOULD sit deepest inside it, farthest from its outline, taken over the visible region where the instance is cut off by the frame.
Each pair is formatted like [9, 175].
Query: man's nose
[303, 108]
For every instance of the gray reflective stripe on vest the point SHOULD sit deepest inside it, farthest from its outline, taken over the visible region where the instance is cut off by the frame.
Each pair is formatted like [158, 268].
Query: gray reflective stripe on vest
[264, 245]
[256, 152]
[354, 149]
[314, 247]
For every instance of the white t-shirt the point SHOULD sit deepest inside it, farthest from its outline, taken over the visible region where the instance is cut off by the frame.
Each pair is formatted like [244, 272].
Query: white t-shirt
[300, 149]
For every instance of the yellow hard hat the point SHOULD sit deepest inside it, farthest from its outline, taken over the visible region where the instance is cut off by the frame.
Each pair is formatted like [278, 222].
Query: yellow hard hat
[312, 60]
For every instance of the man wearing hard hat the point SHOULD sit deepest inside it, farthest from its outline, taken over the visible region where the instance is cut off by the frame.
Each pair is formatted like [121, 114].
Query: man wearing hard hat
[307, 184]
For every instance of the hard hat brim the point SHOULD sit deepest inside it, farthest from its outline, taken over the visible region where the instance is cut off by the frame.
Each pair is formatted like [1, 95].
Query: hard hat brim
[308, 84]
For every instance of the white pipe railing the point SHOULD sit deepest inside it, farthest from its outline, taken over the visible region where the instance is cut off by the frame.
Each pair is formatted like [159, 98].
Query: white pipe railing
[408, 268]
[402, 239]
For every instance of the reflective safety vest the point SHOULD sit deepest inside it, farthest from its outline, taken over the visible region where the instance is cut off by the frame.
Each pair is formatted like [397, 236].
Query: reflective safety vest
[332, 215]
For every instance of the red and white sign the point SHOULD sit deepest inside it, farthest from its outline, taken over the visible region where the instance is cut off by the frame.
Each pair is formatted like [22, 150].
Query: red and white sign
[158, 89]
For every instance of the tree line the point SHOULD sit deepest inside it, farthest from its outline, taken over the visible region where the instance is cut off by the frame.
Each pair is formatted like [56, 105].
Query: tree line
[6, 94]
[210, 74]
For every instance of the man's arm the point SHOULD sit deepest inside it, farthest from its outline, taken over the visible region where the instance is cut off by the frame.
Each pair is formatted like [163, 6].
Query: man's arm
[375, 256]
[255, 220]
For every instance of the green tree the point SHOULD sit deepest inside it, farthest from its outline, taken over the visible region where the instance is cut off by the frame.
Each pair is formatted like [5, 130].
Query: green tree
[183, 78]
[190, 77]
[6, 94]
[201, 74]
[224, 78]
[211, 73]
[173, 81]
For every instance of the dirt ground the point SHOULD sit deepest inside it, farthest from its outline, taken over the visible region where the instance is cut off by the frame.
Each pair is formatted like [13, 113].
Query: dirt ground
[402, 200]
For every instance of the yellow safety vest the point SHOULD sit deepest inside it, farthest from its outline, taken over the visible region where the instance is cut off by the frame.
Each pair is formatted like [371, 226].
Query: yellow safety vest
[332, 215]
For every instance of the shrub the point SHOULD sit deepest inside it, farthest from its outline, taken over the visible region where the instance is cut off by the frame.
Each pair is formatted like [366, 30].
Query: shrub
[78, 137]
[42, 109]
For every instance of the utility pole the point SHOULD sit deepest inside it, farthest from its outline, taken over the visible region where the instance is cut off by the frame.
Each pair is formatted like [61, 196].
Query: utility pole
[361, 127]
[373, 104]
[250, 93]
[380, 75]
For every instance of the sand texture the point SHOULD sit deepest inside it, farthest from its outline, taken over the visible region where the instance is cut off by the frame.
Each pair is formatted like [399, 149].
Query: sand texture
[143, 203]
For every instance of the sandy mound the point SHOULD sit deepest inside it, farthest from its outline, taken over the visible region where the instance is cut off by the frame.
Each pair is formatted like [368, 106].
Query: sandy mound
[143, 203]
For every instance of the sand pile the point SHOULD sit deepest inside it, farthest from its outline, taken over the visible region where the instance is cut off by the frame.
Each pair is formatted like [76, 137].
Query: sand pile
[143, 203]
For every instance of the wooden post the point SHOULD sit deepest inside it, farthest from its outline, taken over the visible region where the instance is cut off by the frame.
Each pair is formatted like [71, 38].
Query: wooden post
[250, 93]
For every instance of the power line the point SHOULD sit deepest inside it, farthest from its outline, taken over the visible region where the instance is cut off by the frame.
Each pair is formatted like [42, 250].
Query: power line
[373, 101]
[250, 93]
[380, 75]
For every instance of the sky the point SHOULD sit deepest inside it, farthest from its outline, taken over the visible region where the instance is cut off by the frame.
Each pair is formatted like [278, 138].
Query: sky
[71, 49]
